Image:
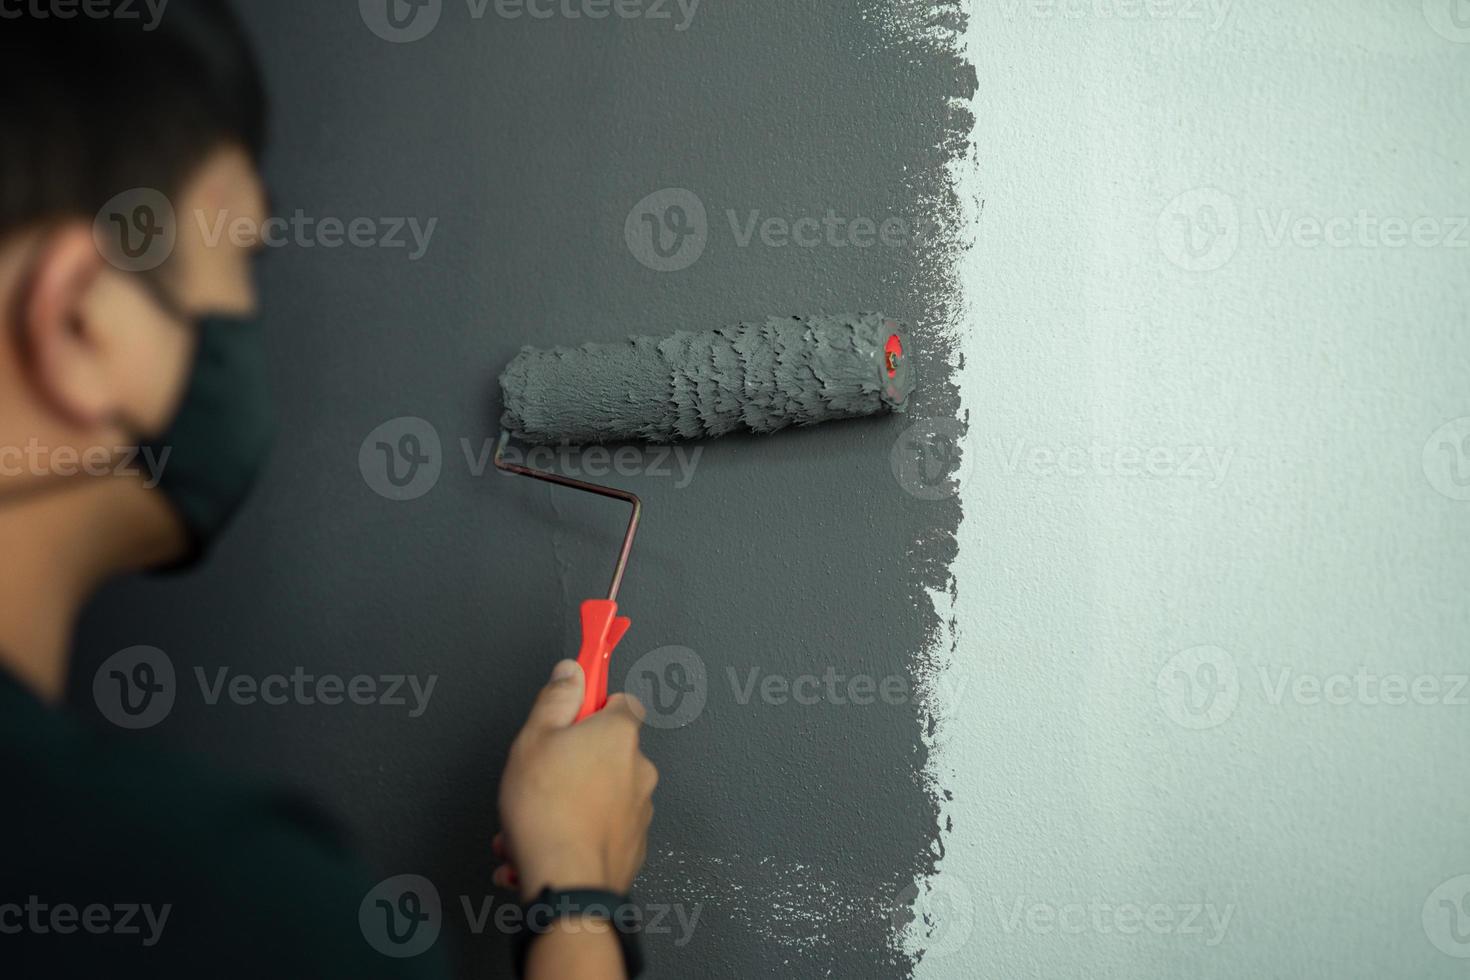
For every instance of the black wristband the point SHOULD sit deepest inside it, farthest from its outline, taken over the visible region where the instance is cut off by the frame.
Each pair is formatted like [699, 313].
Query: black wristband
[550, 907]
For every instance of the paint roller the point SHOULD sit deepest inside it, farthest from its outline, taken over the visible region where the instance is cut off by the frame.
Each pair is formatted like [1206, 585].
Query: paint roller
[750, 377]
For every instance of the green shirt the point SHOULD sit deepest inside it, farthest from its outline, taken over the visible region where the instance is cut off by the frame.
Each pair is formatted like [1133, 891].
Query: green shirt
[124, 861]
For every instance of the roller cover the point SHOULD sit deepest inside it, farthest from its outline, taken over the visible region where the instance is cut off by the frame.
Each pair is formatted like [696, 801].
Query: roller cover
[750, 377]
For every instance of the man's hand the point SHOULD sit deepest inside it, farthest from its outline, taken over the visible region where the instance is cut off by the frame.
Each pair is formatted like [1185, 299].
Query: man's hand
[575, 801]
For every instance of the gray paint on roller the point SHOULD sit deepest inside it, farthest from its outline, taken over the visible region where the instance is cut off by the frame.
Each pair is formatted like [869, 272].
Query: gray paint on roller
[793, 830]
[753, 377]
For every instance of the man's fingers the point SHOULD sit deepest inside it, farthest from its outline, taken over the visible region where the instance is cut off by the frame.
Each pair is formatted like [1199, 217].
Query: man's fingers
[647, 775]
[505, 877]
[557, 704]
[627, 706]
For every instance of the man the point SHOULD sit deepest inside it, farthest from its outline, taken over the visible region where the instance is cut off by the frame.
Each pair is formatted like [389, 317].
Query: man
[107, 846]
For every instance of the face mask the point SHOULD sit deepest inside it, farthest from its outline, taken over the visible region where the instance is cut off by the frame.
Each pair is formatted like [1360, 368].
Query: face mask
[220, 436]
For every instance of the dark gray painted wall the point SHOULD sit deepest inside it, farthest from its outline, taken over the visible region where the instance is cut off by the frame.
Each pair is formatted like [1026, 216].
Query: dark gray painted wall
[530, 141]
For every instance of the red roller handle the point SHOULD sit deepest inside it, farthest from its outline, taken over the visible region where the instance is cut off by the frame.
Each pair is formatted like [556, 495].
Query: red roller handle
[602, 628]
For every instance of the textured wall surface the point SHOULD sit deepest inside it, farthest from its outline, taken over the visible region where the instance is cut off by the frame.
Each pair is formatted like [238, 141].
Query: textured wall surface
[791, 158]
[1207, 707]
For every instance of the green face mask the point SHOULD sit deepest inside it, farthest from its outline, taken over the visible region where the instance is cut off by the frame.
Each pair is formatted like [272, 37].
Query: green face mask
[221, 434]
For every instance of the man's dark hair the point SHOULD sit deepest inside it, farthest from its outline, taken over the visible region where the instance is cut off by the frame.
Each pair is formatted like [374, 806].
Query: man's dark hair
[93, 106]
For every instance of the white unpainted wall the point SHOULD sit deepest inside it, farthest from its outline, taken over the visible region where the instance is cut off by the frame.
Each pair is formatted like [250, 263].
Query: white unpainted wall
[1207, 712]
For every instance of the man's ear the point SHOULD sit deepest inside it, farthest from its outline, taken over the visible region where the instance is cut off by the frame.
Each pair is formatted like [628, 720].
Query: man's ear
[63, 352]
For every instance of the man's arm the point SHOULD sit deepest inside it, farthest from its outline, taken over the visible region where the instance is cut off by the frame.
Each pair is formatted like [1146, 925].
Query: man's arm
[585, 949]
[576, 802]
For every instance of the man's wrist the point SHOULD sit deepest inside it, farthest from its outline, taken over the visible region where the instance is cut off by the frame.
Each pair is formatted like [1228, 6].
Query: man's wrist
[598, 916]
[567, 871]
[565, 950]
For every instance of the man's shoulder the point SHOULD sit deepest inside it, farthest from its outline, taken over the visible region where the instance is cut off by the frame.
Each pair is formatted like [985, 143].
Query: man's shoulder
[123, 793]
[213, 873]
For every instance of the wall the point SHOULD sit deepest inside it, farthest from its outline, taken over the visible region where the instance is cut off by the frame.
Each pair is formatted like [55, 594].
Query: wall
[789, 835]
[1146, 778]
